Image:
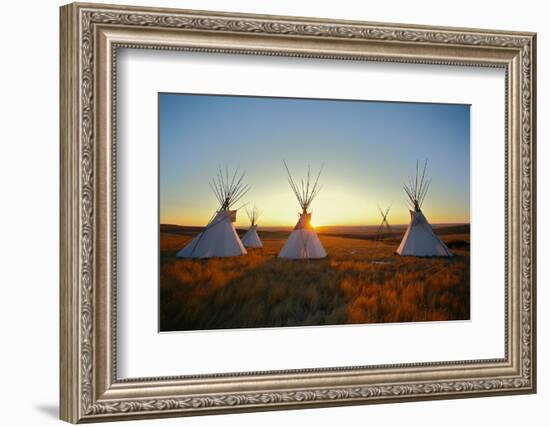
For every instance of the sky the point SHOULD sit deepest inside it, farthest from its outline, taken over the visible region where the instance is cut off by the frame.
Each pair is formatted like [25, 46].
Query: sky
[369, 149]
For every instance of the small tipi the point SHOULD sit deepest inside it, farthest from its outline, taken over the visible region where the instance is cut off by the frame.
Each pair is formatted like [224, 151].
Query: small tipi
[384, 225]
[420, 239]
[251, 238]
[303, 242]
[219, 238]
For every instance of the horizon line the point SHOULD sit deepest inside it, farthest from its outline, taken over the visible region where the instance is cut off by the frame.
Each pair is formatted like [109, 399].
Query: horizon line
[324, 226]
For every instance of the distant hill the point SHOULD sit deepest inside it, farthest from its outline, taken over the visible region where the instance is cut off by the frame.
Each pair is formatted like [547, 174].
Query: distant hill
[179, 229]
[368, 233]
[352, 232]
[192, 230]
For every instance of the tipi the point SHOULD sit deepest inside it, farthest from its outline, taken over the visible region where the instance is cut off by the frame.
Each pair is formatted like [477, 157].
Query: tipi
[251, 238]
[384, 225]
[219, 238]
[303, 242]
[420, 239]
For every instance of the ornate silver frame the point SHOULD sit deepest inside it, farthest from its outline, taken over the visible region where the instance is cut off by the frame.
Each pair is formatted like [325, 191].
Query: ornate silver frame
[90, 36]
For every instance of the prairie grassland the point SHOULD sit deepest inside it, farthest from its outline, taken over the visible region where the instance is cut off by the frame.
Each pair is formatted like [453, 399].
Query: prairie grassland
[361, 281]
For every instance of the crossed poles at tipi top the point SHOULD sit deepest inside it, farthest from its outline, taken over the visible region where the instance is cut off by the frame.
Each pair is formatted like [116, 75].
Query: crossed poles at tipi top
[384, 225]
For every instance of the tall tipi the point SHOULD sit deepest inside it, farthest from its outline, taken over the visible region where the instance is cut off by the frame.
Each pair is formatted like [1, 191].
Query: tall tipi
[303, 242]
[219, 238]
[251, 238]
[420, 239]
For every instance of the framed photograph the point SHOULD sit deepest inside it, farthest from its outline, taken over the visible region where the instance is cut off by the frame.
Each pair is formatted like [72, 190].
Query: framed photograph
[265, 212]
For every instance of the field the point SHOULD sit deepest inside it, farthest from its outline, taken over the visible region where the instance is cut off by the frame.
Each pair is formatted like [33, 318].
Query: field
[361, 281]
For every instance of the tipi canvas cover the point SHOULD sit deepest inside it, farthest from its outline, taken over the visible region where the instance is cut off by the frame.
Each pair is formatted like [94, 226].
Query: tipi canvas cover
[251, 238]
[220, 239]
[303, 242]
[420, 239]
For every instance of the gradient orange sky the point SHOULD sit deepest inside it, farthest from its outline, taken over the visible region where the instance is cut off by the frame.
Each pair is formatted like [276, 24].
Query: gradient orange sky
[369, 149]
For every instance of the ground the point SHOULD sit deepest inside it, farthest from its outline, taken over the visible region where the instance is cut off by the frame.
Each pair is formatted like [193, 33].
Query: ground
[361, 281]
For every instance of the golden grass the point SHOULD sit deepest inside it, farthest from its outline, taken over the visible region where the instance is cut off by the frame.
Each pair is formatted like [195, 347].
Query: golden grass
[361, 281]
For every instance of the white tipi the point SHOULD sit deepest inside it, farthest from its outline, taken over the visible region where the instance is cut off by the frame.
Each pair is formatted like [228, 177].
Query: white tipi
[219, 238]
[303, 242]
[251, 238]
[420, 239]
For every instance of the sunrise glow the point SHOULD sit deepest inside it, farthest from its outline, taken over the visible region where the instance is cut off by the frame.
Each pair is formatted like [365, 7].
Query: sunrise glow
[368, 149]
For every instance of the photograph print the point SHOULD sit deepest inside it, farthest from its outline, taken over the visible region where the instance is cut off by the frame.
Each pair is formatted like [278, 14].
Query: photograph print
[292, 212]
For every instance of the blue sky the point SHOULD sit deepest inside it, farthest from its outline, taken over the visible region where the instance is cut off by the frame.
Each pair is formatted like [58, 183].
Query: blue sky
[369, 149]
